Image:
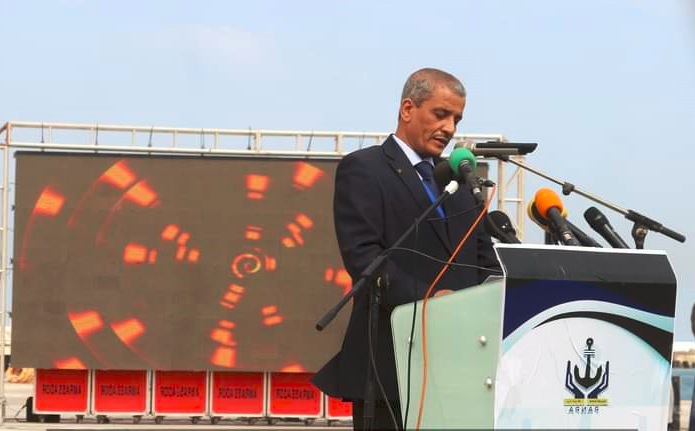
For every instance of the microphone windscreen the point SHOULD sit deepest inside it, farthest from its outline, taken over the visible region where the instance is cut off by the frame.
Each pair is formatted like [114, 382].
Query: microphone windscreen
[459, 155]
[535, 216]
[545, 199]
[443, 174]
[502, 220]
[532, 212]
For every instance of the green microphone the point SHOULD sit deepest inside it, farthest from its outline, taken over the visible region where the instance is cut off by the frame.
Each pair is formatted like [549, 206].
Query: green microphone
[463, 164]
[462, 155]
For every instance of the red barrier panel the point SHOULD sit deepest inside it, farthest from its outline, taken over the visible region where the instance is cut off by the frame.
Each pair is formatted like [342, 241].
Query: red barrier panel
[180, 392]
[338, 409]
[235, 393]
[120, 391]
[61, 391]
[293, 395]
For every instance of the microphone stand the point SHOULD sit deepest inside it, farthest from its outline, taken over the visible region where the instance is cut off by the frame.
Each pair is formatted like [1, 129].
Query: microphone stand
[642, 223]
[376, 283]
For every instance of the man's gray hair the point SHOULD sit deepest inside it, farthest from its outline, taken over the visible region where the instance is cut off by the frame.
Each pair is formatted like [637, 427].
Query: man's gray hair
[420, 85]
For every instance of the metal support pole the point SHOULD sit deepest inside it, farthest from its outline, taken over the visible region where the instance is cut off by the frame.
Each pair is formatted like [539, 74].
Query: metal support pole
[3, 266]
[520, 210]
[501, 186]
[257, 141]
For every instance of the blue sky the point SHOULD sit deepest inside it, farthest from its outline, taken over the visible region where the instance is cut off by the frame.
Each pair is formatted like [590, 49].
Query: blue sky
[606, 88]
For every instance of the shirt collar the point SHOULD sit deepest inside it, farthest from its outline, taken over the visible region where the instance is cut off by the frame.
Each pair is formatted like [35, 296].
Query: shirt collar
[412, 156]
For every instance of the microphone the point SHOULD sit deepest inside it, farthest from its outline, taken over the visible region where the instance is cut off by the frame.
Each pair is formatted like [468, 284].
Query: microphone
[443, 174]
[600, 224]
[496, 148]
[463, 164]
[498, 225]
[445, 178]
[582, 237]
[550, 207]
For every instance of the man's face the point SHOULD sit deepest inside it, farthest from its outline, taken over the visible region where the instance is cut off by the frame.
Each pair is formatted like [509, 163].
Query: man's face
[429, 127]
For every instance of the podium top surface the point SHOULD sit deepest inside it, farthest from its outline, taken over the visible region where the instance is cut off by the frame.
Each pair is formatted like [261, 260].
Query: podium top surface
[523, 261]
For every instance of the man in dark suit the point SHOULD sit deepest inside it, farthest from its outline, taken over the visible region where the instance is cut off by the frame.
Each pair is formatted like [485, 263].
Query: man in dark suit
[379, 191]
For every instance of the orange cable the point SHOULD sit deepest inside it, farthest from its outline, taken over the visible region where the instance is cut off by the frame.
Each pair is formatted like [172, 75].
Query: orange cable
[424, 305]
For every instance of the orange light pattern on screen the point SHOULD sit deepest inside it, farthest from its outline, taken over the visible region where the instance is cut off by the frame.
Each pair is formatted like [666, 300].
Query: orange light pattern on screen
[223, 336]
[293, 368]
[128, 330]
[141, 194]
[180, 253]
[340, 277]
[231, 297]
[119, 175]
[152, 257]
[271, 318]
[250, 265]
[135, 253]
[269, 309]
[227, 324]
[256, 186]
[183, 238]
[86, 322]
[193, 255]
[224, 357]
[296, 233]
[253, 233]
[71, 363]
[305, 175]
[49, 203]
[170, 232]
[302, 222]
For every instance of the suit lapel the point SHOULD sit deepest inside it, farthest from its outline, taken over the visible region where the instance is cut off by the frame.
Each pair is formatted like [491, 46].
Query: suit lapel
[406, 172]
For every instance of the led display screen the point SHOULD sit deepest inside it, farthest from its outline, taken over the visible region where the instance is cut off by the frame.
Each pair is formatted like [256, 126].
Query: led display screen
[174, 263]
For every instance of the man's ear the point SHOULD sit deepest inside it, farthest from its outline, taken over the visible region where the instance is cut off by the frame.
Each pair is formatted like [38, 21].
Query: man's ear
[406, 109]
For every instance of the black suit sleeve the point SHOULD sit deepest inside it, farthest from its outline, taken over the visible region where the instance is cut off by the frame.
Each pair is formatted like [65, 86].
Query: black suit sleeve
[359, 209]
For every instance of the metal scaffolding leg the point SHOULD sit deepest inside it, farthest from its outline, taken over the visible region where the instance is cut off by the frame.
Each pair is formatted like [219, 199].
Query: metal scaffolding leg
[3, 267]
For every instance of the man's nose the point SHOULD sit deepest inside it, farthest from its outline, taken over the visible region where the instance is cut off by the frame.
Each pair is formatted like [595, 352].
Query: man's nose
[449, 126]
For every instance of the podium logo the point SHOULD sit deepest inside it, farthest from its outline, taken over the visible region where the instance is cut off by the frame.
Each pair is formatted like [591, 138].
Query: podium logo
[586, 386]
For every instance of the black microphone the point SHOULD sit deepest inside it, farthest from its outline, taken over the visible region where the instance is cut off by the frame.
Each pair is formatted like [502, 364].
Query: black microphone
[443, 174]
[498, 225]
[582, 237]
[600, 224]
[549, 207]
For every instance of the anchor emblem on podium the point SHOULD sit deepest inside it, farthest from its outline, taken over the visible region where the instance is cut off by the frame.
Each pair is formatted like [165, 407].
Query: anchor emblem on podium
[587, 381]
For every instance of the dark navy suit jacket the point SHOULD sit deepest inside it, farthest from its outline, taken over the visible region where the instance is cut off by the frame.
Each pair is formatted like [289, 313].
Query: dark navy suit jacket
[378, 195]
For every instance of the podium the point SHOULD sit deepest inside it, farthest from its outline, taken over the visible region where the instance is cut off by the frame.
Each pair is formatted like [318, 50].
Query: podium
[569, 338]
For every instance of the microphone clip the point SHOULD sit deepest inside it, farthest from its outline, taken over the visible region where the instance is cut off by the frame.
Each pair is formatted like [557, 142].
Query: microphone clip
[639, 233]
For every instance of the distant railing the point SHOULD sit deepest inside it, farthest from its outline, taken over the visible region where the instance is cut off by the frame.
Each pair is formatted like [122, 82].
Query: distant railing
[205, 140]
